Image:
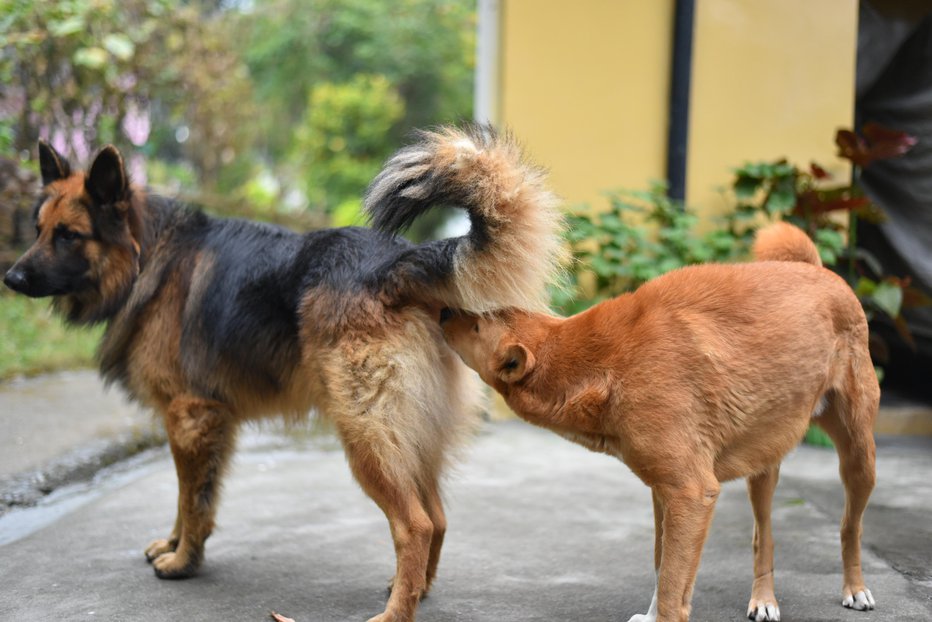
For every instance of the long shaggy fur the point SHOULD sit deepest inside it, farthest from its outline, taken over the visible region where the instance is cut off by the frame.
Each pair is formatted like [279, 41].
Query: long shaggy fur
[513, 249]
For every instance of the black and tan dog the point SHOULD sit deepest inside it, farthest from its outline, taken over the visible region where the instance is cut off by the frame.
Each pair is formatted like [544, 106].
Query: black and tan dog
[214, 322]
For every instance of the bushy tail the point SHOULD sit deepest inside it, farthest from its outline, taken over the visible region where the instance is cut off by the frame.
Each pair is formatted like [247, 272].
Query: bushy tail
[514, 247]
[782, 241]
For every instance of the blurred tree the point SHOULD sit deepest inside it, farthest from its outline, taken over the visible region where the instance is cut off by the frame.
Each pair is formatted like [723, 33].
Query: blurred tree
[341, 142]
[387, 67]
[424, 48]
[85, 72]
[288, 103]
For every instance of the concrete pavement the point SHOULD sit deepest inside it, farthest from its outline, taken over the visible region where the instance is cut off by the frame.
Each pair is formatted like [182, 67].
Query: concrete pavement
[61, 428]
[540, 529]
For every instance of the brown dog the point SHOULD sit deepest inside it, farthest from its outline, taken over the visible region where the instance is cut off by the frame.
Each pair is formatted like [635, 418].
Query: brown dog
[213, 322]
[703, 375]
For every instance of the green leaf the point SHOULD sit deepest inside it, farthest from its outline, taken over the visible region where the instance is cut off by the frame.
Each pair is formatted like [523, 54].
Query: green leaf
[889, 297]
[783, 197]
[68, 26]
[93, 57]
[120, 46]
[865, 287]
[611, 223]
[603, 267]
[746, 187]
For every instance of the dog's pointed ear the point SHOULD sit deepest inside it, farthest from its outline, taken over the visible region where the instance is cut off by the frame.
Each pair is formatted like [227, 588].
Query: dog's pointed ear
[515, 361]
[106, 181]
[51, 163]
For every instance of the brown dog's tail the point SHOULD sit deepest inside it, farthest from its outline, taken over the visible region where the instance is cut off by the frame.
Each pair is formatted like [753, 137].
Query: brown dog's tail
[782, 241]
[514, 247]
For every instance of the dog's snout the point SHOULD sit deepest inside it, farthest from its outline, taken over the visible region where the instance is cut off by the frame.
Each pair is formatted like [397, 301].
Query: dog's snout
[16, 280]
[445, 314]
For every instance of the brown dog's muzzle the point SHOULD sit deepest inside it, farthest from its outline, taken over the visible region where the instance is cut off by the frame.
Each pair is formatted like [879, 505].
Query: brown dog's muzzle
[36, 275]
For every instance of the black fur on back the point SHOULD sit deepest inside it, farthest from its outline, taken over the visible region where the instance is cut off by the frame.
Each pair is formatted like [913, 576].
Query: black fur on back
[243, 316]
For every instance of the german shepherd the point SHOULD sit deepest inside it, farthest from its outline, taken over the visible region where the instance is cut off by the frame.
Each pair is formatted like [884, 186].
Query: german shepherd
[212, 322]
[703, 375]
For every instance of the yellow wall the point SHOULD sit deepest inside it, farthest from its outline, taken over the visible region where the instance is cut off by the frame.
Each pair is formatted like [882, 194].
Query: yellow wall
[584, 85]
[770, 79]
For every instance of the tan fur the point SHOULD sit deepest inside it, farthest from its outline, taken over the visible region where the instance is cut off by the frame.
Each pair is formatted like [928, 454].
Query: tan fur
[782, 241]
[703, 375]
[525, 249]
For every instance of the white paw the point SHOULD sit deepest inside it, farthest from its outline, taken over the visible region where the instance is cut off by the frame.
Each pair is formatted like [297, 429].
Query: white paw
[764, 613]
[643, 617]
[862, 601]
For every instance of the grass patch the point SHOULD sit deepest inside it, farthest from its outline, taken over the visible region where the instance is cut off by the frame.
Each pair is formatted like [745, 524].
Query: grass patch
[34, 340]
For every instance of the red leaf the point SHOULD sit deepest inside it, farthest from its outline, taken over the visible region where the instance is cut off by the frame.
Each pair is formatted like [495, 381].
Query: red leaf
[903, 330]
[877, 143]
[852, 147]
[818, 172]
[845, 203]
[820, 202]
[913, 297]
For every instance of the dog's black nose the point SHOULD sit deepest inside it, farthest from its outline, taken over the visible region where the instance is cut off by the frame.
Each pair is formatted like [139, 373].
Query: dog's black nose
[445, 314]
[15, 280]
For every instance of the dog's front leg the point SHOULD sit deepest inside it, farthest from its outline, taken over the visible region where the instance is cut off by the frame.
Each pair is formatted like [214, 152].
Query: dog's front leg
[763, 605]
[651, 615]
[201, 434]
[687, 514]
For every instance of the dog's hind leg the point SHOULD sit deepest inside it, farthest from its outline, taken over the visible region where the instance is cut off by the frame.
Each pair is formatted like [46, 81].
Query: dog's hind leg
[849, 420]
[763, 604]
[410, 524]
[201, 434]
[433, 503]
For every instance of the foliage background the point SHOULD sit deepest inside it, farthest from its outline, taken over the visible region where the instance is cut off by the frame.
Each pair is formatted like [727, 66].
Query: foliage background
[281, 109]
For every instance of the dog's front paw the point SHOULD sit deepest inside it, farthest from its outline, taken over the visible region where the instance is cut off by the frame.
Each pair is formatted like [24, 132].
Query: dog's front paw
[160, 547]
[643, 617]
[763, 611]
[174, 566]
[862, 600]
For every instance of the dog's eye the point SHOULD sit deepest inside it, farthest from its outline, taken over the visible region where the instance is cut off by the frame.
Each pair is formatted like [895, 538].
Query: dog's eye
[475, 328]
[67, 234]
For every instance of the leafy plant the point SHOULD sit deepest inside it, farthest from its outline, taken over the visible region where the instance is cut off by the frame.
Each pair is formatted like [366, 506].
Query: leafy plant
[340, 144]
[641, 236]
[645, 234]
[829, 213]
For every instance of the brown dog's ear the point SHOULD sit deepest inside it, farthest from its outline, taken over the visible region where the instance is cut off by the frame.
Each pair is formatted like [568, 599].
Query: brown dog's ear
[51, 163]
[514, 363]
[106, 181]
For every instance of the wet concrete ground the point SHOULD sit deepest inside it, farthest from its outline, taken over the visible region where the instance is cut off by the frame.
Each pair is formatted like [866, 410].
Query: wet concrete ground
[540, 529]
